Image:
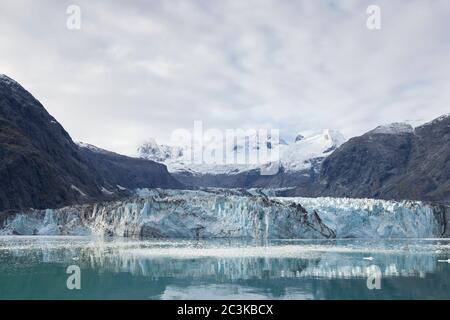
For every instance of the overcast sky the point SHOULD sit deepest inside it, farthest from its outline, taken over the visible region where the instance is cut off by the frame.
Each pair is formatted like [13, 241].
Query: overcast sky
[141, 69]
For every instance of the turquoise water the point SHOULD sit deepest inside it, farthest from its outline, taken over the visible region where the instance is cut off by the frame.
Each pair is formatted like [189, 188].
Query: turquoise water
[35, 268]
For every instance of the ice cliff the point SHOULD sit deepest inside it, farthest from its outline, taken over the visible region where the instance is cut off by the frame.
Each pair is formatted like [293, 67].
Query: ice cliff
[371, 218]
[235, 214]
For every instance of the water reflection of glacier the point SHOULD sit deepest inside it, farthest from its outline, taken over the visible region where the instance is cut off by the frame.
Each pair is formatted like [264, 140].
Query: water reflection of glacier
[232, 261]
[35, 268]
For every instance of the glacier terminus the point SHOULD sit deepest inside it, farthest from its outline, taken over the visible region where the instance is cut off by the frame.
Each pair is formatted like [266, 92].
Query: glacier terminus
[236, 213]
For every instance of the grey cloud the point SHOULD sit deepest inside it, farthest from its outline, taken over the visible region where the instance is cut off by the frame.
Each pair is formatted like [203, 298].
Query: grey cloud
[140, 69]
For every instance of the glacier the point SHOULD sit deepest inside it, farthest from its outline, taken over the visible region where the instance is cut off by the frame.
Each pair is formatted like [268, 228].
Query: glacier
[372, 218]
[219, 213]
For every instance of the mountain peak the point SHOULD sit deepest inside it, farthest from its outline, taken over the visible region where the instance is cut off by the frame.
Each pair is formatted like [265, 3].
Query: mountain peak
[11, 87]
[92, 148]
[335, 136]
[151, 150]
[299, 137]
[438, 119]
[393, 128]
[4, 79]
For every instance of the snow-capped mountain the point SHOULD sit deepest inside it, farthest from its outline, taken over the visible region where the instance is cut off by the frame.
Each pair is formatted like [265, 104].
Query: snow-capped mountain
[393, 161]
[393, 128]
[301, 154]
[161, 153]
[233, 157]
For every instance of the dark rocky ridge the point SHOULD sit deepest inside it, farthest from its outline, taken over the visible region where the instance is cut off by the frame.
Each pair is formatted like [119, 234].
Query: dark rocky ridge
[42, 167]
[252, 179]
[116, 171]
[406, 165]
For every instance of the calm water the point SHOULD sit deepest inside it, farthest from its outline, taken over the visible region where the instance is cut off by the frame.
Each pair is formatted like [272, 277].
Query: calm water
[35, 268]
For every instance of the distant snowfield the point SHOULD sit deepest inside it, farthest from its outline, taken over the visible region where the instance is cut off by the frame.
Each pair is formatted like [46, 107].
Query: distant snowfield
[295, 156]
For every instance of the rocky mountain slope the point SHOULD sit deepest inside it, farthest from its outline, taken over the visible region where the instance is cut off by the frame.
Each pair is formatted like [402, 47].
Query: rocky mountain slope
[118, 172]
[392, 162]
[42, 167]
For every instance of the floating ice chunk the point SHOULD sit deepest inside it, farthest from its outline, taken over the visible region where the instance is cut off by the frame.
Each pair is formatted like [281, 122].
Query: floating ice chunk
[448, 260]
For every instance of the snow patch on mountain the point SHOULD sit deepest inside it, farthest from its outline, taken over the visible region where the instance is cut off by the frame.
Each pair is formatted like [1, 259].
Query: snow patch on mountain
[393, 128]
[92, 147]
[297, 156]
[78, 190]
[439, 119]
